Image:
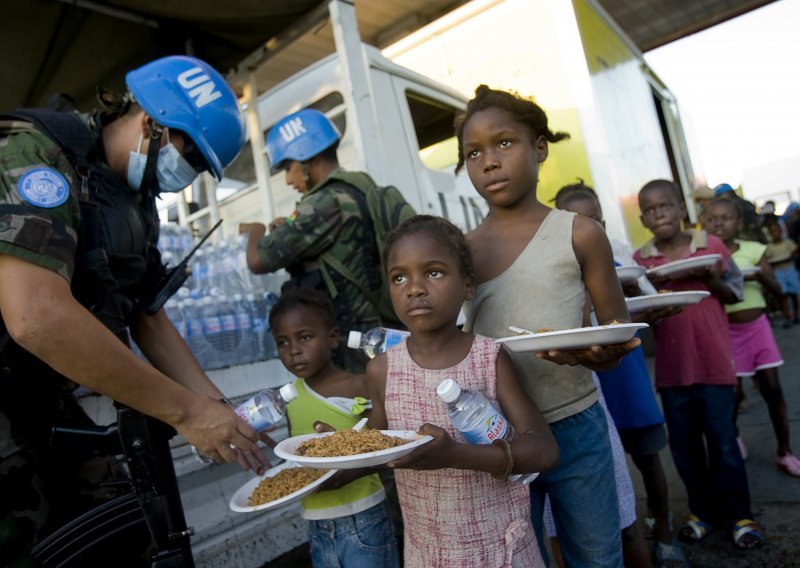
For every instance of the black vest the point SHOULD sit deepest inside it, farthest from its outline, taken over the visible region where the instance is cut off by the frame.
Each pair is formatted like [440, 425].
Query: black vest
[117, 265]
[117, 271]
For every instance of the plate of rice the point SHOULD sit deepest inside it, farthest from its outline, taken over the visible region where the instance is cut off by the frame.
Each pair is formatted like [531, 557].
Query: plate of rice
[348, 449]
[277, 487]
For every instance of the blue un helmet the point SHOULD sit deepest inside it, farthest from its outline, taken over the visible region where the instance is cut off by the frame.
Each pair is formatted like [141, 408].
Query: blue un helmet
[299, 137]
[722, 188]
[189, 95]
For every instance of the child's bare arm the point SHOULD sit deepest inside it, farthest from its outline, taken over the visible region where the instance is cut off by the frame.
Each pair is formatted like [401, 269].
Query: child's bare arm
[593, 252]
[534, 449]
[376, 387]
[767, 277]
[599, 275]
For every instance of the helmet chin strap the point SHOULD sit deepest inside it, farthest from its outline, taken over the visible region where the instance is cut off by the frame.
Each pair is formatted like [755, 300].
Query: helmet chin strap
[149, 186]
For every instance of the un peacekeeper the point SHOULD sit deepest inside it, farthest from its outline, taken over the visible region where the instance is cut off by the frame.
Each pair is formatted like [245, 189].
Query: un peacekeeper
[328, 227]
[78, 265]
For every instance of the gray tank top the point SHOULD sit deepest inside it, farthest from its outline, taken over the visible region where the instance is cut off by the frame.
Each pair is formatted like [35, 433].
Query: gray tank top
[543, 288]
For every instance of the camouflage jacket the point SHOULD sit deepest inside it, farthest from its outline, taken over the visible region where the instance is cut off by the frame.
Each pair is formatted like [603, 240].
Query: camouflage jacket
[34, 227]
[328, 220]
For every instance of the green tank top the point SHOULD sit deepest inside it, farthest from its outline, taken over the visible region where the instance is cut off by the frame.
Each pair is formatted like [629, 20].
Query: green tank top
[306, 409]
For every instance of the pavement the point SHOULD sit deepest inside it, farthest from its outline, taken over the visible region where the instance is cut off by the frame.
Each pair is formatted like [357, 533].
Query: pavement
[775, 496]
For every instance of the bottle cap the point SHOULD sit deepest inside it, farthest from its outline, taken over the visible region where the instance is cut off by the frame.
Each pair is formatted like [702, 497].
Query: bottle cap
[354, 340]
[288, 392]
[448, 390]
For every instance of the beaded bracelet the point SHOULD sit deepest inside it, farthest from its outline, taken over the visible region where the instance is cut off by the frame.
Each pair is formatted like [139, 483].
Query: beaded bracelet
[509, 465]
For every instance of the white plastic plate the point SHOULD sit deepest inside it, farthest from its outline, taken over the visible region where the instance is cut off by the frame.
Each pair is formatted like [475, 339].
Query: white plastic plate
[685, 265]
[666, 300]
[577, 338]
[750, 270]
[630, 273]
[287, 448]
[239, 504]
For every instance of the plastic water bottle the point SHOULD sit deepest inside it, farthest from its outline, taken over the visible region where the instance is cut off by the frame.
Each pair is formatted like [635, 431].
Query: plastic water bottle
[260, 325]
[229, 339]
[260, 411]
[244, 330]
[270, 347]
[375, 341]
[194, 331]
[477, 419]
[199, 279]
[174, 311]
[212, 332]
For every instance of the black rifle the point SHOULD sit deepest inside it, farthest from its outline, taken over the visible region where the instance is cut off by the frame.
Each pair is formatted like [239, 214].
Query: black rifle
[175, 277]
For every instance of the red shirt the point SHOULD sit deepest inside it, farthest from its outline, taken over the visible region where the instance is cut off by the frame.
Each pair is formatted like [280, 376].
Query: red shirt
[692, 347]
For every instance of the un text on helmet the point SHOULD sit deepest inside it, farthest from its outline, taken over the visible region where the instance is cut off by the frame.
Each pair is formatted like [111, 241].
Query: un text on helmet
[200, 87]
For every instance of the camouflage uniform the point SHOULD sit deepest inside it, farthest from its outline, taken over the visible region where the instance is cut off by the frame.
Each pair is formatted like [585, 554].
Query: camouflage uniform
[40, 487]
[328, 220]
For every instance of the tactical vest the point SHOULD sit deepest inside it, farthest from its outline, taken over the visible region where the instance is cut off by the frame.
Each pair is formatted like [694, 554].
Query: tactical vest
[117, 269]
[117, 264]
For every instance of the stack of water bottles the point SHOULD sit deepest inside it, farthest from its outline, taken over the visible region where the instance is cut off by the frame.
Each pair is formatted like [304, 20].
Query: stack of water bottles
[222, 310]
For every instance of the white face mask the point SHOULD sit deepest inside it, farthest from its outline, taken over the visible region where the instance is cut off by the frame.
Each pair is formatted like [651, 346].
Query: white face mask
[173, 171]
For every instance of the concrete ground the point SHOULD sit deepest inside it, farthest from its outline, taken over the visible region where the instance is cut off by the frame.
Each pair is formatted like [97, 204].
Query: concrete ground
[775, 496]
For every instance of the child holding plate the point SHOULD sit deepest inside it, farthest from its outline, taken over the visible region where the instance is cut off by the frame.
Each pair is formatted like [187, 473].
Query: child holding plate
[534, 266]
[695, 374]
[349, 526]
[629, 397]
[465, 513]
[755, 353]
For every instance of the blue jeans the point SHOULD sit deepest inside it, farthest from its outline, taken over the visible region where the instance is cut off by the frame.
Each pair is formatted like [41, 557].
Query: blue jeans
[583, 493]
[363, 540]
[703, 443]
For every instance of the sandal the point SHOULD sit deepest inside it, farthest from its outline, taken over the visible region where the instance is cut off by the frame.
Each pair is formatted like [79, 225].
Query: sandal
[790, 464]
[694, 530]
[669, 555]
[747, 534]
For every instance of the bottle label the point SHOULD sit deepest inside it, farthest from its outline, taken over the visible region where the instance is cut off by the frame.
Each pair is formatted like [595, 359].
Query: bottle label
[228, 322]
[212, 325]
[393, 337]
[248, 412]
[259, 325]
[493, 427]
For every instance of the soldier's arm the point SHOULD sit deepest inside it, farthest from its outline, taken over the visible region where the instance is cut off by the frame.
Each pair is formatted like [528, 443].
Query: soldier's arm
[309, 231]
[43, 317]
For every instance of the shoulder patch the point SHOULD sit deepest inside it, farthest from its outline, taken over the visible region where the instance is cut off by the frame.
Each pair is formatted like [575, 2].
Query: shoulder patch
[43, 187]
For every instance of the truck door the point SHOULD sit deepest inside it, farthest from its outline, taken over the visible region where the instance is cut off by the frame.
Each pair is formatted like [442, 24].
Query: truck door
[428, 116]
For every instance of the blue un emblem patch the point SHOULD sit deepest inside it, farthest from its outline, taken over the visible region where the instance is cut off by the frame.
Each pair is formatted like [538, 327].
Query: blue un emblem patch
[43, 187]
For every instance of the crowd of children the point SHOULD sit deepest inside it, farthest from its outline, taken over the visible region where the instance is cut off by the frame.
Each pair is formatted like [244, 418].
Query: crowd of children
[533, 266]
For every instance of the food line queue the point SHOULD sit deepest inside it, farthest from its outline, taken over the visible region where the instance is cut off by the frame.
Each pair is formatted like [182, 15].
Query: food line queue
[503, 139]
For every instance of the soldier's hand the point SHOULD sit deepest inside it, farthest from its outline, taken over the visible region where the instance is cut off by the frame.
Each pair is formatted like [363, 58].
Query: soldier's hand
[252, 230]
[216, 430]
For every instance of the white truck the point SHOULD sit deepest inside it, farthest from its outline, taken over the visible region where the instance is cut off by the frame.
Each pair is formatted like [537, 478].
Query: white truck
[397, 125]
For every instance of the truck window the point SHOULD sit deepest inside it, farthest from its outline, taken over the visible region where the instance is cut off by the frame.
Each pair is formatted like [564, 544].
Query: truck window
[433, 125]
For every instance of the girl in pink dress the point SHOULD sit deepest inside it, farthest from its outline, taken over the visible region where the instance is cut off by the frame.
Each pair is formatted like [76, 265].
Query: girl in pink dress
[465, 512]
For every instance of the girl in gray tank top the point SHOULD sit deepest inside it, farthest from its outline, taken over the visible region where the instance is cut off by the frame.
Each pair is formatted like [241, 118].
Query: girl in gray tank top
[533, 267]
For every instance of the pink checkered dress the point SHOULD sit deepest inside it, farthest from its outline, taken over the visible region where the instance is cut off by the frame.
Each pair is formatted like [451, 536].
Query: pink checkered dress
[455, 518]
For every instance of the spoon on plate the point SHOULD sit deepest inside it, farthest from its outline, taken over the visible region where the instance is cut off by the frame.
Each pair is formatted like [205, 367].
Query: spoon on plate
[520, 330]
